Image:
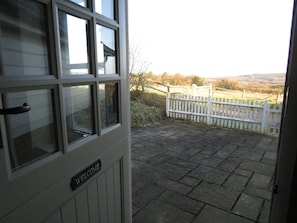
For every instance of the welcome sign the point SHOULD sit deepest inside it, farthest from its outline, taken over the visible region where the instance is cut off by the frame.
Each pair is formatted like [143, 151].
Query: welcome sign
[85, 174]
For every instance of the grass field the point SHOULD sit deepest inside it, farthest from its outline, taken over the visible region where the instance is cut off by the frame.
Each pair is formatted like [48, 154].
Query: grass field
[272, 99]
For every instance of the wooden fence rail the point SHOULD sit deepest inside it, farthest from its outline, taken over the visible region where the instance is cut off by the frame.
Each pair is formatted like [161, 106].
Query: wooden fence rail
[240, 114]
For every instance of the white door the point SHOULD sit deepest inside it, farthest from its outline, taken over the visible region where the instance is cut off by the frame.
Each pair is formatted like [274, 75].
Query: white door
[285, 195]
[64, 111]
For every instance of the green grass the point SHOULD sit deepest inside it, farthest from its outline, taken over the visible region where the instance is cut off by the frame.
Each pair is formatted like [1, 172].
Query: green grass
[273, 99]
[253, 96]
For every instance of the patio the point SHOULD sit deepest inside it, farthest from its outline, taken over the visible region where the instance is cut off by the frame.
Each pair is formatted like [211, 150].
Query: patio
[185, 172]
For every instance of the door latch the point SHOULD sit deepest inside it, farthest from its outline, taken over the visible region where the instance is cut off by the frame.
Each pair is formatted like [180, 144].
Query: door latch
[15, 110]
[275, 188]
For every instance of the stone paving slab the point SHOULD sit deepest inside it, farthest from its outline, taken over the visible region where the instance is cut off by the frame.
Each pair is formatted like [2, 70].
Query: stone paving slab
[228, 165]
[215, 195]
[172, 185]
[146, 195]
[248, 206]
[248, 154]
[206, 160]
[183, 172]
[214, 215]
[264, 214]
[258, 167]
[260, 181]
[191, 181]
[209, 174]
[183, 202]
[236, 182]
[158, 211]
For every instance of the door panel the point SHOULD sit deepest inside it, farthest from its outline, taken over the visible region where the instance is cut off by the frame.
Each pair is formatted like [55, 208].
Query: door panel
[93, 199]
[76, 206]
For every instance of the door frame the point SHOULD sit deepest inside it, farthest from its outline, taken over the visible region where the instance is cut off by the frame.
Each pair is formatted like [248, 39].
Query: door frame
[287, 149]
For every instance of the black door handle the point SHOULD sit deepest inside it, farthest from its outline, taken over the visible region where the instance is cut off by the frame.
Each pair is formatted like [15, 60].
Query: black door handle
[15, 110]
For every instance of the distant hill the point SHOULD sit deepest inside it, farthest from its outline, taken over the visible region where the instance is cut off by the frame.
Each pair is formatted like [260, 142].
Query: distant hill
[263, 79]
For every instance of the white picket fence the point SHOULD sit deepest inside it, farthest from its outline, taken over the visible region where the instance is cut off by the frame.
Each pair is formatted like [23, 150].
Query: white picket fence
[246, 115]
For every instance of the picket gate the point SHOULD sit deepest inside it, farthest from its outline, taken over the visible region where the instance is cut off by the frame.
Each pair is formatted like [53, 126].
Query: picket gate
[230, 113]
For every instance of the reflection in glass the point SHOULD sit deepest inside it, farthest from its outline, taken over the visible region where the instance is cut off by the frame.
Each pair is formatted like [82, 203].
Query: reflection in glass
[106, 51]
[31, 135]
[74, 45]
[23, 39]
[105, 7]
[109, 104]
[80, 2]
[78, 110]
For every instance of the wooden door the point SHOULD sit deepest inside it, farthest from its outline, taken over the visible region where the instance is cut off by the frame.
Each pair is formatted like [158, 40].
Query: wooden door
[64, 111]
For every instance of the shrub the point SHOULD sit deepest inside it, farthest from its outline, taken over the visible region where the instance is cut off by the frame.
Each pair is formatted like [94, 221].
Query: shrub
[150, 99]
[146, 108]
[228, 84]
[144, 115]
[199, 81]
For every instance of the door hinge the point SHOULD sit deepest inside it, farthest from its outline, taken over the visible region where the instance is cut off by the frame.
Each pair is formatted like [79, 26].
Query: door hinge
[286, 100]
[275, 188]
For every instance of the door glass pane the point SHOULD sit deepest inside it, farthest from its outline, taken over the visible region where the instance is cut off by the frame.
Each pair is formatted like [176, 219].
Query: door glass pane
[109, 104]
[23, 39]
[74, 44]
[78, 110]
[80, 2]
[106, 51]
[31, 135]
[105, 7]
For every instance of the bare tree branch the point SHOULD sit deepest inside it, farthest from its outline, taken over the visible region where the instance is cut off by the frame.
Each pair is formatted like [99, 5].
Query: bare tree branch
[138, 67]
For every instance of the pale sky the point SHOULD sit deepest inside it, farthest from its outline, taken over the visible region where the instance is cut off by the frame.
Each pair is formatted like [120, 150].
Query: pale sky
[212, 38]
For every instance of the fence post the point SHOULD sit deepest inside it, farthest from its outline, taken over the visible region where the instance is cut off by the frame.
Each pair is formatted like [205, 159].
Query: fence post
[210, 90]
[209, 110]
[167, 103]
[194, 87]
[265, 116]
[243, 94]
